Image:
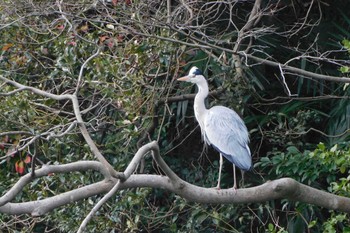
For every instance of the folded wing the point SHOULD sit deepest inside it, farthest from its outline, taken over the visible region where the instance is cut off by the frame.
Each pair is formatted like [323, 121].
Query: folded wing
[227, 133]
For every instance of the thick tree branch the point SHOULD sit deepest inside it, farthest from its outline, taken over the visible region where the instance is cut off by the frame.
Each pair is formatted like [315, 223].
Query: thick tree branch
[41, 207]
[96, 152]
[284, 188]
[152, 146]
[47, 169]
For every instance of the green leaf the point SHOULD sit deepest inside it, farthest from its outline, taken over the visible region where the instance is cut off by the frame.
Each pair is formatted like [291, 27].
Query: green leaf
[342, 169]
[312, 224]
[321, 146]
[265, 160]
[293, 150]
[334, 148]
[271, 227]
[344, 69]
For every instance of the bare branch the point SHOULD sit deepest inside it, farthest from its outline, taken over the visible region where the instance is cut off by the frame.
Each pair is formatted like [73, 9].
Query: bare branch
[12, 92]
[284, 188]
[35, 90]
[79, 82]
[77, 113]
[253, 18]
[70, 128]
[23, 147]
[299, 71]
[272, 190]
[96, 152]
[41, 207]
[295, 70]
[15, 132]
[47, 169]
[152, 146]
[98, 206]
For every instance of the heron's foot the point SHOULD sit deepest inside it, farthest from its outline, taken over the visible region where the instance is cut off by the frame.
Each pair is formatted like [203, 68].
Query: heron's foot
[234, 189]
[218, 185]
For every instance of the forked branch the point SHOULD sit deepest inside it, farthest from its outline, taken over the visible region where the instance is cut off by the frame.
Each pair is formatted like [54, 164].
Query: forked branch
[284, 188]
[74, 99]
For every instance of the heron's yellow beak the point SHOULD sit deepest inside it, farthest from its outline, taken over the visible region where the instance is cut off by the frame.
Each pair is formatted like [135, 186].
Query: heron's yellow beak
[184, 78]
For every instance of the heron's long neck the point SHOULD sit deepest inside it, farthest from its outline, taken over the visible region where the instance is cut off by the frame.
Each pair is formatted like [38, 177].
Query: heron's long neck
[199, 100]
[199, 103]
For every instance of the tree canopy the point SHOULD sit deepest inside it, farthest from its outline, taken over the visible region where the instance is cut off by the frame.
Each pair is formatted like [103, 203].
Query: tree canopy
[96, 134]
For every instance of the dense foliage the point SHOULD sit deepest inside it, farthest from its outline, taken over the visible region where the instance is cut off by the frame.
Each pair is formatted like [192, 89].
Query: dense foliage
[298, 126]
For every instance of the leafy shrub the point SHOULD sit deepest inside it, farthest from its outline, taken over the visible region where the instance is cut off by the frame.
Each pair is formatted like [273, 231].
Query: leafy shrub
[322, 168]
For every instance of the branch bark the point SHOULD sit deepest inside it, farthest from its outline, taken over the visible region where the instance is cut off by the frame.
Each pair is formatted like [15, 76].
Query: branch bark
[47, 169]
[298, 71]
[284, 188]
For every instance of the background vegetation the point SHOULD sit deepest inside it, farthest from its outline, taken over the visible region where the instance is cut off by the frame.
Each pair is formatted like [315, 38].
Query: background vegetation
[299, 127]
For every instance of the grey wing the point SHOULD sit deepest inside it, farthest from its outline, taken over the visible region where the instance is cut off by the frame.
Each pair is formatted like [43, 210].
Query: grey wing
[226, 131]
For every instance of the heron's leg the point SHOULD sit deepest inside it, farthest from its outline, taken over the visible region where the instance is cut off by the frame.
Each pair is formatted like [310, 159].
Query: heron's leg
[220, 168]
[241, 183]
[234, 177]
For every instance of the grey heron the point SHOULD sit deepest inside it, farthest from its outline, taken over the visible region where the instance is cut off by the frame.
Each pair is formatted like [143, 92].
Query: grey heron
[221, 127]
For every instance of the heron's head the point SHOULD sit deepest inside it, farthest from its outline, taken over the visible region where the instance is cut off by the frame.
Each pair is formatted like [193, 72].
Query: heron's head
[194, 76]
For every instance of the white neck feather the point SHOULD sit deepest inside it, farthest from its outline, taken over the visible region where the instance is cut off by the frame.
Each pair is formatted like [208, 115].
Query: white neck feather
[200, 109]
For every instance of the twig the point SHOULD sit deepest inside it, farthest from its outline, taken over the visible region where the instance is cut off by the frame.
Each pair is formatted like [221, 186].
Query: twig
[285, 84]
[152, 146]
[98, 206]
[294, 70]
[77, 113]
[82, 69]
